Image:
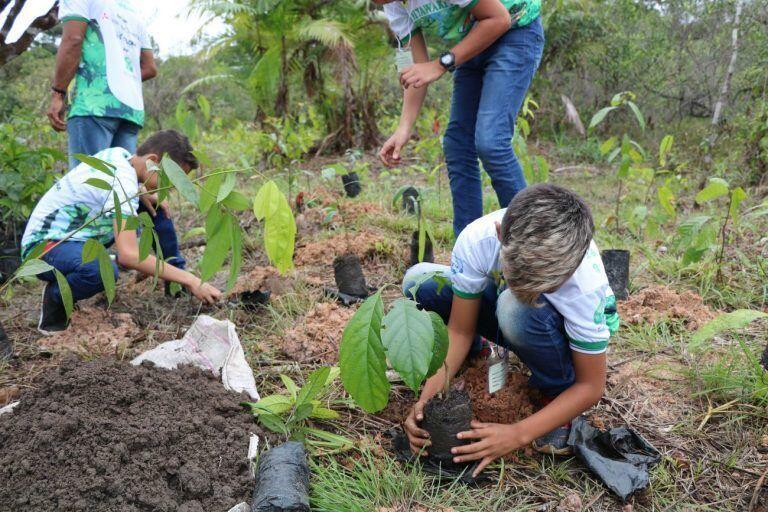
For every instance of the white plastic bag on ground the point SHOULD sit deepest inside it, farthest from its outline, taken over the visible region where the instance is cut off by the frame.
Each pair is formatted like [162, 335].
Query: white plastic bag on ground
[212, 345]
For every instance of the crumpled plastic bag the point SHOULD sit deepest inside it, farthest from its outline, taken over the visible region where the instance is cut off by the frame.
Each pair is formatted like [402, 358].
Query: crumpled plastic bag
[620, 457]
[212, 345]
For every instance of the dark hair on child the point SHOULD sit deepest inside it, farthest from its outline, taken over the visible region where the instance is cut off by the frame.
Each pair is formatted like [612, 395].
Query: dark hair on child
[172, 143]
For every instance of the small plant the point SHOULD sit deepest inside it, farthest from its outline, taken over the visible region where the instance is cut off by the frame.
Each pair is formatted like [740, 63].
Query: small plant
[289, 413]
[535, 169]
[422, 243]
[623, 148]
[414, 341]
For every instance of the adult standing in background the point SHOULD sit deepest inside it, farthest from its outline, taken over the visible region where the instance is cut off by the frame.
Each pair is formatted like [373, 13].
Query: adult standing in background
[493, 48]
[106, 49]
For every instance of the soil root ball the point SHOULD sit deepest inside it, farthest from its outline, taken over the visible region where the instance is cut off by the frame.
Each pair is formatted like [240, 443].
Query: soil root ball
[616, 262]
[351, 184]
[349, 275]
[282, 482]
[443, 419]
[410, 199]
[104, 435]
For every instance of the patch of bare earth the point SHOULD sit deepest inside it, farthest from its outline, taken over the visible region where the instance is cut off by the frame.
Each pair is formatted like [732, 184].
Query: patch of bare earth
[261, 279]
[512, 403]
[315, 337]
[657, 303]
[364, 244]
[94, 331]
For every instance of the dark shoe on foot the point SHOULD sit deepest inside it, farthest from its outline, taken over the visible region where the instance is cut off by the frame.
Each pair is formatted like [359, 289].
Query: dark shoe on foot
[53, 316]
[555, 442]
[6, 347]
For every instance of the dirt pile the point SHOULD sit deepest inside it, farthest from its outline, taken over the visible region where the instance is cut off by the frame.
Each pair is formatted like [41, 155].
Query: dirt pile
[94, 331]
[364, 244]
[514, 402]
[263, 279]
[104, 435]
[661, 302]
[316, 337]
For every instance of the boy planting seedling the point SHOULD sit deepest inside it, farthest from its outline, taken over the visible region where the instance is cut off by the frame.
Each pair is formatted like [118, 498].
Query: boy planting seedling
[90, 204]
[528, 278]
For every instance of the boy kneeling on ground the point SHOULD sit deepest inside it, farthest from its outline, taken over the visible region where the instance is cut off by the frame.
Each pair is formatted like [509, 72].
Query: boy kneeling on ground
[556, 314]
[73, 212]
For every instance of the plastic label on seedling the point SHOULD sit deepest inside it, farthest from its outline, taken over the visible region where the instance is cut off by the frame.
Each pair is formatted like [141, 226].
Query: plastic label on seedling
[498, 368]
[403, 59]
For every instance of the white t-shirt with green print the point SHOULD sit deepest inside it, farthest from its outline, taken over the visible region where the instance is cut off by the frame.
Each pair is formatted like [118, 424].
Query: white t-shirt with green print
[108, 80]
[585, 300]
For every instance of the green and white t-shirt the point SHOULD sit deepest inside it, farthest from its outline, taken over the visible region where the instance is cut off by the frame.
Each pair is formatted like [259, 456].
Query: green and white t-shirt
[71, 202]
[108, 80]
[585, 300]
[450, 20]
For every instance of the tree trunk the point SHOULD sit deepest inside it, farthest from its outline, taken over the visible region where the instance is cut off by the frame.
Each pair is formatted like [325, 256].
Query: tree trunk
[9, 51]
[725, 89]
[281, 102]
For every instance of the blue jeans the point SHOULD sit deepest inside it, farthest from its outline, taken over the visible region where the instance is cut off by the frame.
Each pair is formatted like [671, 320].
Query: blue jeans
[488, 91]
[84, 279]
[535, 334]
[88, 135]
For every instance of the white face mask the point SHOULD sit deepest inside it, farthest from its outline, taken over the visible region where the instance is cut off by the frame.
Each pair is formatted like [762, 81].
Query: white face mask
[403, 59]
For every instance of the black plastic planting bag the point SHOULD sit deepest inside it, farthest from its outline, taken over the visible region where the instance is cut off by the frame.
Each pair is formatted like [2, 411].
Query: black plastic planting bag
[619, 457]
[282, 481]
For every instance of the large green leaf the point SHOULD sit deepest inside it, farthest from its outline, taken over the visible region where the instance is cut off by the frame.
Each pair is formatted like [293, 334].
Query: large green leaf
[280, 236]
[218, 228]
[440, 348]
[210, 191]
[98, 183]
[65, 291]
[667, 199]
[32, 268]
[91, 249]
[272, 404]
[107, 273]
[608, 145]
[737, 197]
[362, 359]
[145, 244]
[228, 186]
[664, 148]
[717, 187]
[597, 118]
[734, 320]
[236, 201]
[638, 114]
[180, 180]
[267, 201]
[98, 164]
[408, 337]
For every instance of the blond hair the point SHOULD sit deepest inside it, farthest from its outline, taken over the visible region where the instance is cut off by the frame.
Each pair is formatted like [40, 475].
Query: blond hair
[545, 234]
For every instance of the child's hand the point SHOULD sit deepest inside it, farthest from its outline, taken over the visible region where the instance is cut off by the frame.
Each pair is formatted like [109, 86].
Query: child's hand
[494, 440]
[206, 293]
[417, 437]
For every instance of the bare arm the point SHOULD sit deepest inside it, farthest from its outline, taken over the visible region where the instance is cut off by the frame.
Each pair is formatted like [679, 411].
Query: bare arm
[147, 64]
[493, 20]
[128, 256]
[67, 60]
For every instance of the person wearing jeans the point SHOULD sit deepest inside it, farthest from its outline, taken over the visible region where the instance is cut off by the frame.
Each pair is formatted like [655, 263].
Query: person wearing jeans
[529, 278]
[497, 47]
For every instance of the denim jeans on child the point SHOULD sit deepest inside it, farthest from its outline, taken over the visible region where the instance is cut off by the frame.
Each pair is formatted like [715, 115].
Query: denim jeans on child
[535, 334]
[84, 279]
[488, 92]
[88, 135]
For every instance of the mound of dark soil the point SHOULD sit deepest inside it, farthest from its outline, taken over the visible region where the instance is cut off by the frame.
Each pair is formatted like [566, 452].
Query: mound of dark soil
[107, 436]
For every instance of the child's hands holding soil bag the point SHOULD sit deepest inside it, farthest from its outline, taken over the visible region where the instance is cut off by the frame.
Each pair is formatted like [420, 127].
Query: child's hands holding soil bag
[491, 441]
[418, 438]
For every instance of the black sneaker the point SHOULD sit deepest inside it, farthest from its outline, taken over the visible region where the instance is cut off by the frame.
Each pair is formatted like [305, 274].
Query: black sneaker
[53, 316]
[6, 348]
[555, 442]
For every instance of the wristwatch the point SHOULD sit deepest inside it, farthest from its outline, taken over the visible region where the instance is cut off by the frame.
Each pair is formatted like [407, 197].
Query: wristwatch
[448, 61]
[60, 92]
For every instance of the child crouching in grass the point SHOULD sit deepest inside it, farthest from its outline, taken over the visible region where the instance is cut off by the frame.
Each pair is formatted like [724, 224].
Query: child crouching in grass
[528, 278]
[73, 212]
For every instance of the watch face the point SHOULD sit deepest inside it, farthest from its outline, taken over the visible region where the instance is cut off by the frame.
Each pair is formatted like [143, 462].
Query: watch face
[446, 59]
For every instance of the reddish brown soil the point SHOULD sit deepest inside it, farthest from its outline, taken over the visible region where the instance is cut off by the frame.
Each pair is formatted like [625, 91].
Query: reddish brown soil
[105, 435]
[94, 330]
[263, 279]
[316, 337]
[364, 244]
[658, 303]
[511, 404]
[353, 210]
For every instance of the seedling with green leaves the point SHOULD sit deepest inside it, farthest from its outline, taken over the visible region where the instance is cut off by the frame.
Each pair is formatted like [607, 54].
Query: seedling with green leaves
[415, 342]
[289, 414]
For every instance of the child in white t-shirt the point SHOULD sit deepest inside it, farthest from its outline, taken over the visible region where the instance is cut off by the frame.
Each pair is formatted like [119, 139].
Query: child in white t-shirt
[528, 278]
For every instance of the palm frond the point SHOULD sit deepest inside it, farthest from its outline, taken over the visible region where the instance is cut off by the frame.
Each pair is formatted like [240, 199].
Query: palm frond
[327, 32]
[206, 80]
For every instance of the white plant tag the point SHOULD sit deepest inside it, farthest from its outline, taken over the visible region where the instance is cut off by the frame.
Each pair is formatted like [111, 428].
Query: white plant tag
[403, 59]
[498, 368]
